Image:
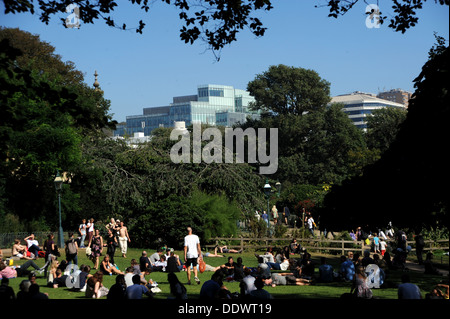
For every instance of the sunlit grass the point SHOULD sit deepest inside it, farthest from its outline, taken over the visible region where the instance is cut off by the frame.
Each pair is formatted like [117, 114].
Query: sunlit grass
[316, 291]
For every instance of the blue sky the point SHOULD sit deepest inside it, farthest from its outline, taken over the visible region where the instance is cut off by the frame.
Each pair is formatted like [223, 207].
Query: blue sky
[137, 71]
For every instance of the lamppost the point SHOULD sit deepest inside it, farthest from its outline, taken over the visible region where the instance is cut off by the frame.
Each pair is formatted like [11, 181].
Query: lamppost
[278, 186]
[268, 192]
[58, 186]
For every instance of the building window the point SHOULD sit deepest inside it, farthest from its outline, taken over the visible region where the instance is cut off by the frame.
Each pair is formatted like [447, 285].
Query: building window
[203, 92]
[216, 92]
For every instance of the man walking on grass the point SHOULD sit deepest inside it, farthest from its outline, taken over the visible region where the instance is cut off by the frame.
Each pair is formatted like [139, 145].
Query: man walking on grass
[192, 252]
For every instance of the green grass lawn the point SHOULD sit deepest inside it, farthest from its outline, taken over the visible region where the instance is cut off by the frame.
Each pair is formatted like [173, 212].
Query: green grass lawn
[316, 291]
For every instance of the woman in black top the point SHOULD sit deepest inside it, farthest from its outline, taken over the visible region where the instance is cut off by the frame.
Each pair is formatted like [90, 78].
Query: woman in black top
[239, 270]
[111, 244]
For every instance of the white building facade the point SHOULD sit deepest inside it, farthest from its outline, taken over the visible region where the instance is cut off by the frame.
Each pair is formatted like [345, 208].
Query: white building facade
[358, 106]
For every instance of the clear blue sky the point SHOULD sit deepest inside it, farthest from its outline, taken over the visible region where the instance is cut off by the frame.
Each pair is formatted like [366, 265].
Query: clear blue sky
[137, 71]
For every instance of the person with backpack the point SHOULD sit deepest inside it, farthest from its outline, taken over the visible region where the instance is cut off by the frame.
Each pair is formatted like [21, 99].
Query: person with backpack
[72, 250]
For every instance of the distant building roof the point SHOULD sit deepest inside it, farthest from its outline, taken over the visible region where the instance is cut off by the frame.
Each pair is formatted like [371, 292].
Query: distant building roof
[360, 97]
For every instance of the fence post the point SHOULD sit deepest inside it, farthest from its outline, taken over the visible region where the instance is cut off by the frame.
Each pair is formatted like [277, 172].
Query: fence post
[343, 250]
[242, 244]
[362, 247]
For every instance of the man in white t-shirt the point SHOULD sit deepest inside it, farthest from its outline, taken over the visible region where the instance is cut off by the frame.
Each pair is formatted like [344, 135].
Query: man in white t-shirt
[33, 245]
[192, 252]
[311, 224]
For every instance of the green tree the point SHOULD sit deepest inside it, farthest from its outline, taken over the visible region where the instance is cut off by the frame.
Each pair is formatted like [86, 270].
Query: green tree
[142, 184]
[37, 137]
[289, 90]
[90, 112]
[40, 56]
[46, 113]
[313, 148]
[166, 220]
[382, 127]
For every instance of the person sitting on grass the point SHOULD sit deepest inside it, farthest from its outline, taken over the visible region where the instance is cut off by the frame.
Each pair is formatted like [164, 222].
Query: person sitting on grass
[160, 265]
[34, 292]
[260, 293]
[248, 282]
[429, 267]
[211, 288]
[144, 261]
[239, 269]
[228, 269]
[177, 289]
[263, 270]
[174, 263]
[19, 250]
[284, 265]
[325, 271]
[59, 280]
[109, 269]
[6, 292]
[308, 266]
[347, 269]
[117, 291]
[137, 290]
[83, 277]
[294, 247]
[94, 286]
[33, 245]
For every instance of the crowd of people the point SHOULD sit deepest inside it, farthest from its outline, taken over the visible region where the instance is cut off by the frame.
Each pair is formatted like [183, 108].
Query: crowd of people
[289, 265]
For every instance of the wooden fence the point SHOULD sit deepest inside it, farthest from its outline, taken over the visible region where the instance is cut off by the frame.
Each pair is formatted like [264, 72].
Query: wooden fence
[343, 246]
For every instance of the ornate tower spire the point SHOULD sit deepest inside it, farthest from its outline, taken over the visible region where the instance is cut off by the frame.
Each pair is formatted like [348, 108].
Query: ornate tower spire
[96, 84]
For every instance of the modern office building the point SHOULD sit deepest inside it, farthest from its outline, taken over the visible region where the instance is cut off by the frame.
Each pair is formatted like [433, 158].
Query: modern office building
[359, 105]
[396, 95]
[213, 104]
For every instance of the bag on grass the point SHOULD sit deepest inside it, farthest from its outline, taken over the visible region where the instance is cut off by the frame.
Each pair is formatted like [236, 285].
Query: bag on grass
[202, 265]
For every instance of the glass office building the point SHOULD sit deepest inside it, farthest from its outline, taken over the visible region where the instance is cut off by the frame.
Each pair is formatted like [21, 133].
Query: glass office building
[358, 106]
[213, 104]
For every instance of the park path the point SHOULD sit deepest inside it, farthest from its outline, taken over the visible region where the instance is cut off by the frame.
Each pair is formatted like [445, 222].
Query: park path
[420, 268]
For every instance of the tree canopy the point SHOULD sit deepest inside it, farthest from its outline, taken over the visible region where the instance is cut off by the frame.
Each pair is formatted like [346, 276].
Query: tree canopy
[382, 127]
[289, 90]
[314, 139]
[46, 112]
